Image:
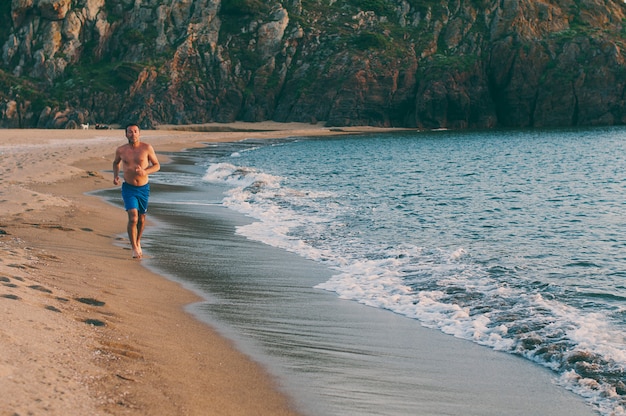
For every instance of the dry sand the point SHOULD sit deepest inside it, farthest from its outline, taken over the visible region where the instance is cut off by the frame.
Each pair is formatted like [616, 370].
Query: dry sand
[85, 329]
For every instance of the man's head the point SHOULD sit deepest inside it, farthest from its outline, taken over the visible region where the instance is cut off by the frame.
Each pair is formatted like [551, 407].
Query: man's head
[132, 133]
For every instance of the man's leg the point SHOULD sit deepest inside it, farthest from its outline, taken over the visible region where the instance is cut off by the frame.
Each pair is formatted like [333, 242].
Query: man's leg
[132, 228]
[141, 223]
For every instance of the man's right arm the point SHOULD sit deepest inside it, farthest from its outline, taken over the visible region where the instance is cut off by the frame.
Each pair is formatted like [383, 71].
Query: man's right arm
[116, 167]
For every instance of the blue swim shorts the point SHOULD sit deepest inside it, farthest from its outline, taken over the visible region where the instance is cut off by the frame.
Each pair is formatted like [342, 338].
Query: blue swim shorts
[136, 197]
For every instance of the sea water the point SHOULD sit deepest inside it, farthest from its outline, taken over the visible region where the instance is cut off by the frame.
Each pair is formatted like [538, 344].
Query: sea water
[513, 240]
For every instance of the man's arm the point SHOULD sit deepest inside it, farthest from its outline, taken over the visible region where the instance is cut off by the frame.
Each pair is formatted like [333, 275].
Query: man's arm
[155, 166]
[116, 167]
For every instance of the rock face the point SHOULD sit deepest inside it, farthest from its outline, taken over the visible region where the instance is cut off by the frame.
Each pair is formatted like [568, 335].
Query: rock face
[432, 64]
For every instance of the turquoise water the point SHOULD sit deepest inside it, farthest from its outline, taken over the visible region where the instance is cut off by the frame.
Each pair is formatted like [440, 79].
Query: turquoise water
[514, 240]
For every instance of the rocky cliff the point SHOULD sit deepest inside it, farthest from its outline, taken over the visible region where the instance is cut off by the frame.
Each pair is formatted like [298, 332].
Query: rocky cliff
[411, 63]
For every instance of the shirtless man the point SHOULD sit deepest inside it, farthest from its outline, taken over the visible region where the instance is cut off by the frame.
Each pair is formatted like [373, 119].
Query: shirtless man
[137, 160]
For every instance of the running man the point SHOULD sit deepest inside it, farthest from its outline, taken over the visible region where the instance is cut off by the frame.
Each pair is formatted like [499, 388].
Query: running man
[137, 160]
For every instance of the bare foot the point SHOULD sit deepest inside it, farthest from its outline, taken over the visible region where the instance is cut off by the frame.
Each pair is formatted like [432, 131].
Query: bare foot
[137, 254]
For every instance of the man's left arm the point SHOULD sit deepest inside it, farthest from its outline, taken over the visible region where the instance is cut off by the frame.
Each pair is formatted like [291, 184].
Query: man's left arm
[155, 166]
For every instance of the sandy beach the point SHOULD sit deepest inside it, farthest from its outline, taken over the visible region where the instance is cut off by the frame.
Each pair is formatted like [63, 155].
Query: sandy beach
[85, 328]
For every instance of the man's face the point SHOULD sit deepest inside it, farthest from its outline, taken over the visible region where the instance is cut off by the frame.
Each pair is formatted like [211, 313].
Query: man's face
[132, 134]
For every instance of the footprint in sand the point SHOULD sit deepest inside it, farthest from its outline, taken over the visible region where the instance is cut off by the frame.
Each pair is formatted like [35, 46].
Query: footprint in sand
[88, 301]
[9, 296]
[92, 302]
[40, 288]
[7, 283]
[52, 308]
[94, 322]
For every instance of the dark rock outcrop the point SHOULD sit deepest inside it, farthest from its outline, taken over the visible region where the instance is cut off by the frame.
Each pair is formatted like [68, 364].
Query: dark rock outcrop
[432, 64]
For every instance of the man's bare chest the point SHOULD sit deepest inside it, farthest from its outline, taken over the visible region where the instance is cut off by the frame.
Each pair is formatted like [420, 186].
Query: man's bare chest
[134, 157]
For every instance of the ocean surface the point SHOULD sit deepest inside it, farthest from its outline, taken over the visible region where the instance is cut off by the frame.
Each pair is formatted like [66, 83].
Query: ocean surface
[510, 240]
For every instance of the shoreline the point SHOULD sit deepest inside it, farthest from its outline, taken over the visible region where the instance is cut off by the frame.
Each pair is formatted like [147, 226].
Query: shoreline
[88, 330]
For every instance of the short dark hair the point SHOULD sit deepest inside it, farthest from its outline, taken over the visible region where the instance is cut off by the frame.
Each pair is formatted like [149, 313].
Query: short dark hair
[131, 125]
